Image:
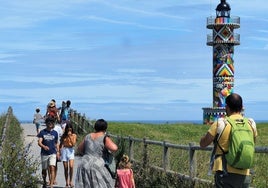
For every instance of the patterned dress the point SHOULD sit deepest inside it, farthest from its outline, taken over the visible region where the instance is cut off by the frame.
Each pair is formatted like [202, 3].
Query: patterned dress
[91, 172]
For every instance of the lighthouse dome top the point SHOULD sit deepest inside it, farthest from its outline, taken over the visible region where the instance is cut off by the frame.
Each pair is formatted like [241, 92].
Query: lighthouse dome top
[223, 9]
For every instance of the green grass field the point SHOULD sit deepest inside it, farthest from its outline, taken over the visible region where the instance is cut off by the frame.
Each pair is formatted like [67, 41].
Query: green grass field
[174, 133]
[183, 134]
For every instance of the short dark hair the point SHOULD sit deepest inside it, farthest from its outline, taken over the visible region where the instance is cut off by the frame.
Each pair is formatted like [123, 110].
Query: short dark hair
[234, 102]
[100, 125]
[50, 120]
[68, 103]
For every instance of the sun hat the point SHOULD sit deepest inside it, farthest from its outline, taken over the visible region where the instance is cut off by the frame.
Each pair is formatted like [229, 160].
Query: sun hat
[51, 104]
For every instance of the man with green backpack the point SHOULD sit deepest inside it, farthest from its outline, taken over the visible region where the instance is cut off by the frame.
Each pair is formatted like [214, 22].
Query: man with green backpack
[234, 145]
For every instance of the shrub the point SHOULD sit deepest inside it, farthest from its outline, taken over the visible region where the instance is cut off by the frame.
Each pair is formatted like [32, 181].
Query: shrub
[17, 167]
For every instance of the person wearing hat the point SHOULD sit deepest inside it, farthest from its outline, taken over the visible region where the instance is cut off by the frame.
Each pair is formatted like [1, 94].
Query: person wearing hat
[52, 111]
[48, 141]
[37, 119]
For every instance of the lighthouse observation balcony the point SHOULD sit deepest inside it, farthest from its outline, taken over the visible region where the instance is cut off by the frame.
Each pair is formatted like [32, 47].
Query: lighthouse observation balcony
[235, 39]
[213, 21]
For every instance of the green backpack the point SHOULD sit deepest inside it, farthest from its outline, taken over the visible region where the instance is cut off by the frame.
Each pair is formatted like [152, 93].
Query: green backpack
[241, 149]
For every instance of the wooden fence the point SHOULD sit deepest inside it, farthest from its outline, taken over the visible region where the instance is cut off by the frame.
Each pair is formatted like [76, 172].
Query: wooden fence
[82, 122]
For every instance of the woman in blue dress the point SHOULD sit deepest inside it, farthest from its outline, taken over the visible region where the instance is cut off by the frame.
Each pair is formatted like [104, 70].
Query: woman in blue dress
[91, 172]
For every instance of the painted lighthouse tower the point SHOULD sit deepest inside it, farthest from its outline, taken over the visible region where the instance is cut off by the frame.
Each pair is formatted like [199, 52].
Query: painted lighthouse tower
[223, 39]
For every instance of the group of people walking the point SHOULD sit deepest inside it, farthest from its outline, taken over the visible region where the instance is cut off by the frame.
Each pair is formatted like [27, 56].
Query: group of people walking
[57, 142]
[92, 173]
[59, 145]
[55, 149]
[61, 115]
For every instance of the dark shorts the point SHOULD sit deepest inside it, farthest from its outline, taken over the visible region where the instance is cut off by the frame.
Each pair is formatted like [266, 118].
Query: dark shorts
[231, 180]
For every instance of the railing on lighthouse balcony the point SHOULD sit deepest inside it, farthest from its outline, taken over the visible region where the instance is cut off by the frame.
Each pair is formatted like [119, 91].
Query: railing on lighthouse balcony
[233, 40]
[231, 22]
[213, 21]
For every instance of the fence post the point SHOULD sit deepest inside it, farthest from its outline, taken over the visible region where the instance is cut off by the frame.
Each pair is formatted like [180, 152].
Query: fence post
[83, 122]
[130, 147]
[74, 120]
[165, 156]
[145, 154]
[79, 119]
[75, 115]
[192, 160]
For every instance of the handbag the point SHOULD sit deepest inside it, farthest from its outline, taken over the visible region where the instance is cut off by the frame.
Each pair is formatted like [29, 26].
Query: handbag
[109, 161]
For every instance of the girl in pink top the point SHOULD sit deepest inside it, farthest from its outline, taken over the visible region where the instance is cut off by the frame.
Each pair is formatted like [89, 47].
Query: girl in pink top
[125, 178]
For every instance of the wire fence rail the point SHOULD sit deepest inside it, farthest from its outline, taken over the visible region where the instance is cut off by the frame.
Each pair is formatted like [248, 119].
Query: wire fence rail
[166, 151]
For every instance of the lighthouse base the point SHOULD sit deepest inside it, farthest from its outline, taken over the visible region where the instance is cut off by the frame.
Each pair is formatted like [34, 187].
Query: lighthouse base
[212, 114]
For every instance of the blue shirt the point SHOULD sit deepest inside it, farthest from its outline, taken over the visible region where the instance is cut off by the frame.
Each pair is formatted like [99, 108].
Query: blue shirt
[50, 139]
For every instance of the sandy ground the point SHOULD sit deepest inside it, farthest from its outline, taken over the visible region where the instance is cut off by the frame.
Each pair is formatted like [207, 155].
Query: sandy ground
[30, 136]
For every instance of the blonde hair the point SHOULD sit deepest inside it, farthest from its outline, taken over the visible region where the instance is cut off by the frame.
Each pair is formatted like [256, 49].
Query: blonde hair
[124, 162]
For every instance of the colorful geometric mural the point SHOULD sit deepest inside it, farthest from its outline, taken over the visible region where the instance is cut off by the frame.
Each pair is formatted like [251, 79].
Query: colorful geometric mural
[222, 20]
[223, 40]
[223, 72]
[212, 114]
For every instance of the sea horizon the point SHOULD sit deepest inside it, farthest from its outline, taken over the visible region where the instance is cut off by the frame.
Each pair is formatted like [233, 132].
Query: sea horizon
[195, 122]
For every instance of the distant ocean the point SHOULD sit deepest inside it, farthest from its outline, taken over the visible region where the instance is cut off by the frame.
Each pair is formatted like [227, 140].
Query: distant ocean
[149, 121]
[160, 121]
[195, 122]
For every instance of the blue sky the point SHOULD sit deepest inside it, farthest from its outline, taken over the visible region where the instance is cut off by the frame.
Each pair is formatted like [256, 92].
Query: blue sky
[126, 59]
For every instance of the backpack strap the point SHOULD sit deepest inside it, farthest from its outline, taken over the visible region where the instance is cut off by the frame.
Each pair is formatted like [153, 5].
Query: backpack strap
[253, 127]
[221, 126]
[222, 123]
[220, 129]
